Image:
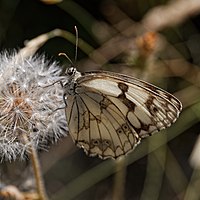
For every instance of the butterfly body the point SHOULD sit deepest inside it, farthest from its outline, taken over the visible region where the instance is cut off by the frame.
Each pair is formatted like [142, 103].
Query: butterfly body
[108, 113]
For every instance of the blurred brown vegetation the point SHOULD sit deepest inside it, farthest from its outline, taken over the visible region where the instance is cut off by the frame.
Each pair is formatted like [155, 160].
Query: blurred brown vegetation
[157, 41]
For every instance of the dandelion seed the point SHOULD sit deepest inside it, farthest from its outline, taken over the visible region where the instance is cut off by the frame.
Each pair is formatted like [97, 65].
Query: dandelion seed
[28, 110]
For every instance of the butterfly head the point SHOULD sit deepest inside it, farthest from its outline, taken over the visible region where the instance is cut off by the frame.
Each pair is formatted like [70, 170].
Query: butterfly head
[72, 75]
[71, 71]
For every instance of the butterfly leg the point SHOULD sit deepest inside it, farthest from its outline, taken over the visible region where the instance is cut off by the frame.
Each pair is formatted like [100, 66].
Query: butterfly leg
[64, 99]
[64, 95]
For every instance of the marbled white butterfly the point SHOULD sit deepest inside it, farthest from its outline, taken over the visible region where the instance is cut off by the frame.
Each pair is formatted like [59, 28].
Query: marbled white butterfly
[108, 113]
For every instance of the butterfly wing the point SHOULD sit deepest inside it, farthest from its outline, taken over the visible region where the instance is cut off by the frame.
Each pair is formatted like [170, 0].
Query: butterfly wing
[99, 126]
[110, 112]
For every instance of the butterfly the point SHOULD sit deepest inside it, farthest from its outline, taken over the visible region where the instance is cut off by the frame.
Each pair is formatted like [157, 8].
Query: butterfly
[108, 114]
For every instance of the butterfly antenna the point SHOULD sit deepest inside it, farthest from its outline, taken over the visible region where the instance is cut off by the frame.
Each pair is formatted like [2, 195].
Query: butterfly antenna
[64, 54]
[76, 50]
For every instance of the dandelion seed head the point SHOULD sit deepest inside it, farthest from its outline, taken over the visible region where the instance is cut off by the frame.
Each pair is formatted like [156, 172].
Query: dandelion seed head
[29, 103]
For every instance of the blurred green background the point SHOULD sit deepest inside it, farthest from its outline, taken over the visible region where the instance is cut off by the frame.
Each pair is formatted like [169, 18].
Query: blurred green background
[157, 41]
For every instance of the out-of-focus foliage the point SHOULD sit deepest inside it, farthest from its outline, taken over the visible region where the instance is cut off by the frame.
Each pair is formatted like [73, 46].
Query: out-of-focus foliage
[157, 41]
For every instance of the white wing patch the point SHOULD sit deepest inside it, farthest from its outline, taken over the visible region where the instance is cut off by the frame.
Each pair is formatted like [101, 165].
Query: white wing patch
[108, 114]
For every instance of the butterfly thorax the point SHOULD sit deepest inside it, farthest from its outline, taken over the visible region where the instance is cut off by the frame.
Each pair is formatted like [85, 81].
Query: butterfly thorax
[72, 75]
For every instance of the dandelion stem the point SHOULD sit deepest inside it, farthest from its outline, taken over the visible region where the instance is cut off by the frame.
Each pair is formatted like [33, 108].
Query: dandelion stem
[37, 171]
[38, 174]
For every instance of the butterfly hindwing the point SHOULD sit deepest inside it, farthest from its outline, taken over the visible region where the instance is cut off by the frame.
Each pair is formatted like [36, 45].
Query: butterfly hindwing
[99, 126]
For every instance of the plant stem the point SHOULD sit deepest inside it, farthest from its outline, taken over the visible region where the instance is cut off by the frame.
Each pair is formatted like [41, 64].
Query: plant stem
[119, 180]
[38, 175]
[36, 170]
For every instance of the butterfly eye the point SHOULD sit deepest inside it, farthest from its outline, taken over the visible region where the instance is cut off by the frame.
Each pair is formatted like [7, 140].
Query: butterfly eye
[71, 71]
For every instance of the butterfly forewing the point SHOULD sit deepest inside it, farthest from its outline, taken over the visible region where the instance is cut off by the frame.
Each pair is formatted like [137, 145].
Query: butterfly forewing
[109, 113]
